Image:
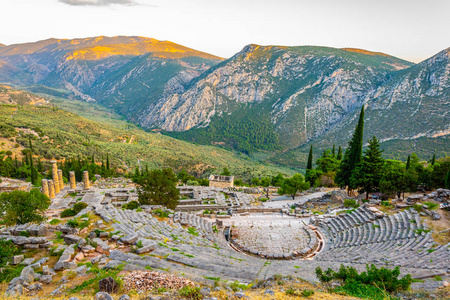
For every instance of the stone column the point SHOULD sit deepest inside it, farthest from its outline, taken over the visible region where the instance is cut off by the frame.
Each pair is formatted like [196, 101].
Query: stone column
[61, 181]
[55, 176]
[73, 183]
[51, 188]
[45, 187]
[86, 179]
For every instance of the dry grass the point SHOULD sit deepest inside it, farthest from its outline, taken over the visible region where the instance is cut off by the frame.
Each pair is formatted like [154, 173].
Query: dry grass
[439, 225]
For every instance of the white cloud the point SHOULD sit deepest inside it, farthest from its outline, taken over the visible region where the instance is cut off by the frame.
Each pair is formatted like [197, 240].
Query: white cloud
[98, 2]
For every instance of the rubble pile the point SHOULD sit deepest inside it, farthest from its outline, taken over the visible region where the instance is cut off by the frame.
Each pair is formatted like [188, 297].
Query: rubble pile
[145, 281]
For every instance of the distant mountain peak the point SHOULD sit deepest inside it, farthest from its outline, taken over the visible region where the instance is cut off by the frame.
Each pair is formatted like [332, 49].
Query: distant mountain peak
[100, 47]
[363, 51]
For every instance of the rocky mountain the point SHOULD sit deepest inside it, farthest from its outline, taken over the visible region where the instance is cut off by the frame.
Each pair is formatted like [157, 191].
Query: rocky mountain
[121, 72]
[410, 112]
[263, 98]
[303, 91]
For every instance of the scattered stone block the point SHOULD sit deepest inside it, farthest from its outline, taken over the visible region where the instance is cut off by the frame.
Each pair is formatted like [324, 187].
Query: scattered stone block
[28, 261]
[108, 285]
[17, 259]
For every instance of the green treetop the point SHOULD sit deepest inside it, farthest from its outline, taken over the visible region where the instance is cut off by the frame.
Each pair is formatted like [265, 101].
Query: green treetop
[369, 171]
[159, 187]
[339, 154]
[20, 207]
[292, 185]
[352, 155]
[310, 159]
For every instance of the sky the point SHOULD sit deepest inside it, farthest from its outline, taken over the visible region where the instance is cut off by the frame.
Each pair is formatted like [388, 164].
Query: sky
[410, 29]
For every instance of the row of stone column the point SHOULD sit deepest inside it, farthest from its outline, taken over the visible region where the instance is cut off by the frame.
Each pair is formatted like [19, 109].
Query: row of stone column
[53, 186]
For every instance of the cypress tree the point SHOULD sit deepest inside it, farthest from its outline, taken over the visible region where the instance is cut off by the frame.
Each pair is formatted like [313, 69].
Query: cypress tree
[107, 162]
[40, 168]
[31, 145]
[352, 155]
[433, 160]
[333, 152]
[368, 173]
[27, 162]
[33, 171]
[408, 162]
[447, 180]
[339, 154]
[310, 159]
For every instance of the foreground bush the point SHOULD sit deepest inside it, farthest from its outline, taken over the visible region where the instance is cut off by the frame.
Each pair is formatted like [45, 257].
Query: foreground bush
[374, 283]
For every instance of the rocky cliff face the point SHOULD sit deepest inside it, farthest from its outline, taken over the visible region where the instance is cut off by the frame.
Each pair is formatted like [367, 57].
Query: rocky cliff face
[410, 112]
[125, 73]
[306, 90]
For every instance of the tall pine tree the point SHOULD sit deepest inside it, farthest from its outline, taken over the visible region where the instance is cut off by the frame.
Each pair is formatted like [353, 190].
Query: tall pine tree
[310, 159]
[369, 171]
[339, 154]
[309, 168]
[107, 162]
[352, 156]
[408, 162]
[34, 174]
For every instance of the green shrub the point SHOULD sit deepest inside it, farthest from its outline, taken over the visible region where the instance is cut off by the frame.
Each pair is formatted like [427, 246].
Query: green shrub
[291, 292]
[385, 203]
[55, 222]
[307, 293]
[24, 233]
[190, 292]
[382, 278]
[160, 213]
[417, 206]
[67, 213]
[7, 250]
[236, 286]
[79, 206]
[84, 224]
[10, 272]
[131, 205]
[351, 203]
[360, 290]
[431, 205]
[73, 223]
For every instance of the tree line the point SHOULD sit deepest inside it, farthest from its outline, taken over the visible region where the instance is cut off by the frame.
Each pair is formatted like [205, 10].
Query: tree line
[368, 171]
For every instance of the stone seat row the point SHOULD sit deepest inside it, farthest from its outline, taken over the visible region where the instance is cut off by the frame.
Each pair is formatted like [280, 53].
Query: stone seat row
[398, 226]
[400, 239]
[202, 225]
[419, 252]
[144, 225]
[29, 228]
[345, 221]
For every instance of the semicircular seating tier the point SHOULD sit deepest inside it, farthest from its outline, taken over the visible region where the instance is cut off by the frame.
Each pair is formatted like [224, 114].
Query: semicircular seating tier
[401, 239]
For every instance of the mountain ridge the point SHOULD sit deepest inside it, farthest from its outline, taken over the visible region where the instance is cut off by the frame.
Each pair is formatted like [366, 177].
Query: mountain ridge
[299, 94]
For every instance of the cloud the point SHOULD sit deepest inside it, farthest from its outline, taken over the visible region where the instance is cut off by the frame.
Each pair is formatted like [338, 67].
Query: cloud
[98, 2]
